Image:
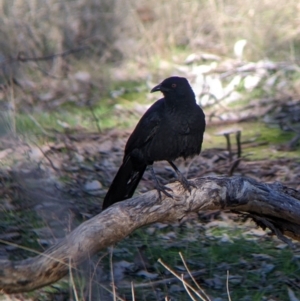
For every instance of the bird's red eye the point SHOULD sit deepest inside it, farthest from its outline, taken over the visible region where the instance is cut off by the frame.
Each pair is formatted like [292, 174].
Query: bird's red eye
[173, 85]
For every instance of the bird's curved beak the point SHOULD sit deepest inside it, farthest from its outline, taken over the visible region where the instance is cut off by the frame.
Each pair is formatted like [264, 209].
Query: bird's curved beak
[156, 88]
[159, 88]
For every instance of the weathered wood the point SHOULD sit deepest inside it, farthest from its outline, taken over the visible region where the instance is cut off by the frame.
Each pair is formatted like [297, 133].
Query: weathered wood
[270, 204]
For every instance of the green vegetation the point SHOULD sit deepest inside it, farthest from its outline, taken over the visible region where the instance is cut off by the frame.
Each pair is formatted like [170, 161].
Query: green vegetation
[266, 140]
[257, 265]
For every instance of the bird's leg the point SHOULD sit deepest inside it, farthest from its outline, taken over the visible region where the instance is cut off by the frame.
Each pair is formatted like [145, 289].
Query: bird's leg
[182, 179]
[160, 188]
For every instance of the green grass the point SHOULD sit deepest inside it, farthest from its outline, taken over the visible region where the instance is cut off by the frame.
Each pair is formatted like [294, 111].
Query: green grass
[23, 221]
[216, 257]
[73, 116]
[110, 117]
[258, 133]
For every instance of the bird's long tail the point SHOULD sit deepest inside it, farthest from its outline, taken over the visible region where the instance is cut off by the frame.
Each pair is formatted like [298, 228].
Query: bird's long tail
[124, 183]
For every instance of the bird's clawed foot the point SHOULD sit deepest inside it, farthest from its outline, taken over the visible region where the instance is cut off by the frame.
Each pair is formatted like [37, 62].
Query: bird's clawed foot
[163, 189]
[185, 183]
[182, 179]
[160, 188]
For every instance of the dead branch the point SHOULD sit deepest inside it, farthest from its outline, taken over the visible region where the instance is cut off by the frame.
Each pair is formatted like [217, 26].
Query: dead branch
[21, 57]
[274, 205]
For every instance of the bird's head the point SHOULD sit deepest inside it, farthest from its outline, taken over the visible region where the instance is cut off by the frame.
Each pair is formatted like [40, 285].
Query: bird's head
[174, 86]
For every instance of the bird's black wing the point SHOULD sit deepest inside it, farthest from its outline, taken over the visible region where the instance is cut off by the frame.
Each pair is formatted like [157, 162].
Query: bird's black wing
[134, 164]
[146, 128]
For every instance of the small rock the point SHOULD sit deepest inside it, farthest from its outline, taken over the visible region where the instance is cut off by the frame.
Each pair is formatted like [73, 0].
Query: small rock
[175, 288]
[12, 236]
[281, 246]
[82, 76]
[169, 235]
[192, 58]
[255, 232]
[93, 188]
[147, 275]
[225, 238]
[93, 185]
[120, 269]
[235, 279]
[47, 96]
[5, 153]
[150, 230]
[267, 268]
[10, 248]
[262, 256]
[79, 158]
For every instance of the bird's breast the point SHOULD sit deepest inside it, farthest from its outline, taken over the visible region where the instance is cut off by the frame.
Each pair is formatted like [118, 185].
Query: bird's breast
[173, 141]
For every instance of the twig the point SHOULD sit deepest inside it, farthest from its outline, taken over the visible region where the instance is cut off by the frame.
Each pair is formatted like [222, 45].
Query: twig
[72, 281]
[227, 286]
[164, 281]
[189, 272]
[275, 230]
[112, 274]
[179, 278]
[292, 143]
[48, 159]
[96, 119]
[13, 107]
[39, 126]
[132, 291]
[21, 58]
[186, 288]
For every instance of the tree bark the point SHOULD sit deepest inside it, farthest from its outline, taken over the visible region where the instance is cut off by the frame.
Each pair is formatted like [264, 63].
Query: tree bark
[270, 205]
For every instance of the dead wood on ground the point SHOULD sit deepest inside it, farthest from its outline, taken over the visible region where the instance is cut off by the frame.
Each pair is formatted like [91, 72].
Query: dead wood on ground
[270, 205]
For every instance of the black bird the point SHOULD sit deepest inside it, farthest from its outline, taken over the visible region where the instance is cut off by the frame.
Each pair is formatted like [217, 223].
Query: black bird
[172, 127]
